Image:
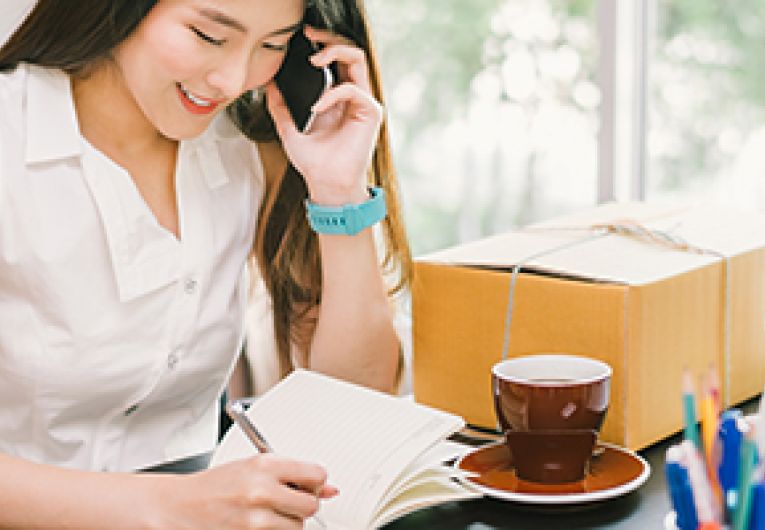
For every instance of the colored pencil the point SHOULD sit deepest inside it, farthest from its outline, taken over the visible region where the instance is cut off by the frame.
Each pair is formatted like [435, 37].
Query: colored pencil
[680, 490]
[689, 409]
[708, 422]
[714, 388]
[706, 507]
[743, 510]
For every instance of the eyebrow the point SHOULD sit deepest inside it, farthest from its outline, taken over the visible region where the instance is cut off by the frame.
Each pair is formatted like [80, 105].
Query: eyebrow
[222, 18]
[225, 20]
[292, 28]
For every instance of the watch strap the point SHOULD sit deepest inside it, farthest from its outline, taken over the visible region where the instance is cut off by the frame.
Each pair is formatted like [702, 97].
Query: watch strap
[349, 219]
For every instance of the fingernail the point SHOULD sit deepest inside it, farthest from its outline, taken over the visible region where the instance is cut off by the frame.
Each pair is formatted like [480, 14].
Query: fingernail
[328, 491]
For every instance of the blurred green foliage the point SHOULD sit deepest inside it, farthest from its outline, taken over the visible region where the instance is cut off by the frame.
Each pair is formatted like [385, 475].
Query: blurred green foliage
[738, 25]
[440, 39]
[718, 47]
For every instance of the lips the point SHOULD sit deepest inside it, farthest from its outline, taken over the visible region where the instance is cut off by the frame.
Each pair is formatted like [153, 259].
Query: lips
[194, 103]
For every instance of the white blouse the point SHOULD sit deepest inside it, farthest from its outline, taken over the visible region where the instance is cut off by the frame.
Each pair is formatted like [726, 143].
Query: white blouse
[116, 338]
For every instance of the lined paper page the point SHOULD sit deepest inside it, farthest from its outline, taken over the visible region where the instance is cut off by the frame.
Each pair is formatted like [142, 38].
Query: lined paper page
[421, 495]
[427, 467]
[364, 439]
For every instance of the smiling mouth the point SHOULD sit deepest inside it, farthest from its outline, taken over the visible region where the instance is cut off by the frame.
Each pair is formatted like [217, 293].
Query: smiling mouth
[196, 104]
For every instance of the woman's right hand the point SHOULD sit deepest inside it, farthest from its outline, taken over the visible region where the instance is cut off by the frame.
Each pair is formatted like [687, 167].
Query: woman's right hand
[264, 491]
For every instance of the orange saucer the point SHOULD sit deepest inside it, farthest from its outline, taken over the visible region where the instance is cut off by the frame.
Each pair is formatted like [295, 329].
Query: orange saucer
[614, 471]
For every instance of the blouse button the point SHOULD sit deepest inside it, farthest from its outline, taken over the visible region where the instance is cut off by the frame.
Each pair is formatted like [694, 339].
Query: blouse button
[172, 360]
[190, 285]
[131, 409]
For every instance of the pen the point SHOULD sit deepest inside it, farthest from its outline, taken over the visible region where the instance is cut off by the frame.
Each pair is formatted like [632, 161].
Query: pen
[236, 409]
[237, 412]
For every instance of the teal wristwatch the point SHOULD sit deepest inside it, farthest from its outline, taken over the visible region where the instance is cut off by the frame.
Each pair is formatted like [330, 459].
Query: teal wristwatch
[349, 219]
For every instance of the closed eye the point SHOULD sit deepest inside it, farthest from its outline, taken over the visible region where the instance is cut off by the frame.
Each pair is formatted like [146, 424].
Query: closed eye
[276, 47]
[207, 38]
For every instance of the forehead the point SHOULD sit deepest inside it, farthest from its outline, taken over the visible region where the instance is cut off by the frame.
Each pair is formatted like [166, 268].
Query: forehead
[254, 16]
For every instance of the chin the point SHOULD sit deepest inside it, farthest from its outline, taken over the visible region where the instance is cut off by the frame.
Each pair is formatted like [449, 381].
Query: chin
[183, 133]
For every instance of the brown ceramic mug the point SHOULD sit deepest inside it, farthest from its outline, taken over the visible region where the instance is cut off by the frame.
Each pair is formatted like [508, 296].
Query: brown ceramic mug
[550, 408]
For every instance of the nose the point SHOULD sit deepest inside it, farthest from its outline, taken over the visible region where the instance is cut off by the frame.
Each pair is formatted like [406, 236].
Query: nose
[229, 77]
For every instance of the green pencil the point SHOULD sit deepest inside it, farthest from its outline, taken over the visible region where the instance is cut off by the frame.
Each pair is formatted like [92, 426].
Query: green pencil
[689, 409]
[743, 510]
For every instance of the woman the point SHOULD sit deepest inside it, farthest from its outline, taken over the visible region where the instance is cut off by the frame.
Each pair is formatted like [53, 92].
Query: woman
[128, 206]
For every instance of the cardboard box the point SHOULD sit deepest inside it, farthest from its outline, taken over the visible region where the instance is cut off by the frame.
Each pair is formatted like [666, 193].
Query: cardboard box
[645, 306]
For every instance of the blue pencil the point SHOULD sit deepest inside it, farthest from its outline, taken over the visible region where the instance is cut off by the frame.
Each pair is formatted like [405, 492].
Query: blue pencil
[757, 514]
[680, 490]
[729, 439]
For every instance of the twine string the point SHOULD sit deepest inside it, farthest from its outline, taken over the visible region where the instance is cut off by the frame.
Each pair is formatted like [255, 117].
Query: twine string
[635, 230]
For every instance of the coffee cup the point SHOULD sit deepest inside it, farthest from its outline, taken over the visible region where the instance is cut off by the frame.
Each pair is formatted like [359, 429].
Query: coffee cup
[550, 408]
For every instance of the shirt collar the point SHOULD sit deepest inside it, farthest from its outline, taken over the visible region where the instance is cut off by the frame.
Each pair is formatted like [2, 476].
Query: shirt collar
[222, 128]
[52, 132]
[208, 145]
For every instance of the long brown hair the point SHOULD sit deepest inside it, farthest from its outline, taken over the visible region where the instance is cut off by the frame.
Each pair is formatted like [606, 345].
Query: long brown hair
[286, 249]
[73, 36]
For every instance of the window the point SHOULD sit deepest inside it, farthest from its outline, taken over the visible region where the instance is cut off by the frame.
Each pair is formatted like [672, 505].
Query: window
[493, 108]
[706, 131]
[504, 112]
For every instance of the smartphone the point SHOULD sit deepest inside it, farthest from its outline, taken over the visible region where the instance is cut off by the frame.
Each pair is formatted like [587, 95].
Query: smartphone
[300, 82]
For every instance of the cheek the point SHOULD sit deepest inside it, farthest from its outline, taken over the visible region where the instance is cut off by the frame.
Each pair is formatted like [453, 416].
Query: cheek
[174, 54]
[265, 68]
[152, 62]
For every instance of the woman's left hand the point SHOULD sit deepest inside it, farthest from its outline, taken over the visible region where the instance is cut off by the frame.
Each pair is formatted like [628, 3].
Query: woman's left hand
[334, 155]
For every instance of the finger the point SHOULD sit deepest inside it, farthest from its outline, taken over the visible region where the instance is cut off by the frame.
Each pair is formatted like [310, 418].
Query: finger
[361, 103]
[325, 36]
[277, 107]
[350, 56]
[296, 503]
[272, 520]
[327, 492]
[265, 493]
[353, 59]
[297, 474]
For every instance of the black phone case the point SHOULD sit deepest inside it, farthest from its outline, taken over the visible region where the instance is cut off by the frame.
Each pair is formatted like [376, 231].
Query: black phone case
[300, 82]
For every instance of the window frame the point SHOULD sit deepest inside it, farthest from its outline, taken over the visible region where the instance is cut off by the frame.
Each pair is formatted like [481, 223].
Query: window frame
[625, 29]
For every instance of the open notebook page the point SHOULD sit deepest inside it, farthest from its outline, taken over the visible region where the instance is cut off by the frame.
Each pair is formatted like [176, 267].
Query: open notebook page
[364, 439]
[422, 495]
[428, 467]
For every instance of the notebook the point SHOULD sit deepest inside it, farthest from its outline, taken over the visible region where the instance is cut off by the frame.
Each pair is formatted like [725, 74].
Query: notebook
[384, 453]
